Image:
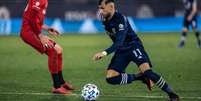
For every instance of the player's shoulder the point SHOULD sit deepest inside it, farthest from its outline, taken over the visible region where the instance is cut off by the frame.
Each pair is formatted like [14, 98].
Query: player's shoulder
[120, 21]
[39, 2]
[119, 17]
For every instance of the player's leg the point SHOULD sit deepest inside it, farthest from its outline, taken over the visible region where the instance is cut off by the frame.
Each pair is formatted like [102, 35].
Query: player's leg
[30, 38]
[156, 78]
[184, 33]
[55, 66]
[159, 81]
[197, 34]
[141, 58]
[59, 51]
[116, 78]
[116, 72]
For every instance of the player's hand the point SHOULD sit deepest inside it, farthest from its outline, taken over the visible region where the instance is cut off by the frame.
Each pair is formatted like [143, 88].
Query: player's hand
[45, 40]
[99, 55]
[53, 31]
[189, 18]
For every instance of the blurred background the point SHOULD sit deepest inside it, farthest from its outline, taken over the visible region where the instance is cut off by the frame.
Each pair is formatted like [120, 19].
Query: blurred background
[79, 16]
[24, 74]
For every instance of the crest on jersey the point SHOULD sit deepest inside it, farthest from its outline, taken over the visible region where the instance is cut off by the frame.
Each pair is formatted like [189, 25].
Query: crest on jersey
[37, 5]
[121, 27]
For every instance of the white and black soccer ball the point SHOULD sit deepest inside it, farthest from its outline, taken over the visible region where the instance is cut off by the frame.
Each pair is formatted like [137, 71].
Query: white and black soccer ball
[90, 92]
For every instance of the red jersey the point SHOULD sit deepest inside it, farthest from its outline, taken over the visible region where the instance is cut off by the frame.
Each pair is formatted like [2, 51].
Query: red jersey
[34, 14]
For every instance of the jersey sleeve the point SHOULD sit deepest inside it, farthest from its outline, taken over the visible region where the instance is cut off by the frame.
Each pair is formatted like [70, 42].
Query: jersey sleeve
[35, 12]
[121, 32]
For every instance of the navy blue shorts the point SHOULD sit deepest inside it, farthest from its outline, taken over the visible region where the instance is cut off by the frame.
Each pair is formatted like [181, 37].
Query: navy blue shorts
[136, 54]
[192, 23]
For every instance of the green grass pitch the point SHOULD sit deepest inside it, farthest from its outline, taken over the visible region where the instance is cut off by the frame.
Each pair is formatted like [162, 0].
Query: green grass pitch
[24, 74]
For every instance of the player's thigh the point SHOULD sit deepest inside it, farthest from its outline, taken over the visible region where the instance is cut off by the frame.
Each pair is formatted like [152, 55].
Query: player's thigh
[140, 57]
[33, 40]
[118, 64]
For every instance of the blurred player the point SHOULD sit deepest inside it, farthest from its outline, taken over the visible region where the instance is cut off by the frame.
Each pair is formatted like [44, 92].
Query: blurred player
[31, 33]
[190, 19]
[127, 47]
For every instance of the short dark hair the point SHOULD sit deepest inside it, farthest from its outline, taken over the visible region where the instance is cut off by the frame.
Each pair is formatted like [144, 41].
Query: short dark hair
[106, 1]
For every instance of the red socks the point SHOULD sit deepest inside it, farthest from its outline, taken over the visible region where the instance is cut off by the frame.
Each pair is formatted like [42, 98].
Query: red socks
[55, 67]
[52, 60]
[60, 65]
[59, 61]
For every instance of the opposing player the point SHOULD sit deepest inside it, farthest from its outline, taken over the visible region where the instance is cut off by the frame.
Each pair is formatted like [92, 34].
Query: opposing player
[127, 47]
[32, 26]
[190, 19]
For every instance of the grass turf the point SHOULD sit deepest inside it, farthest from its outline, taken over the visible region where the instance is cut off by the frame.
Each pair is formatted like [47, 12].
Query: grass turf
[24, 74]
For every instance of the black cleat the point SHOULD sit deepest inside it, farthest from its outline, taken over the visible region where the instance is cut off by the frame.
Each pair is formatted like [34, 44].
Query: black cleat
[181, 44]
[173, 97]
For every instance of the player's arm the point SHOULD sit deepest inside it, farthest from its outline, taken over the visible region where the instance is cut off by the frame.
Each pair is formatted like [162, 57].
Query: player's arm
[120, 37]
[120, 29]
[194, 10]
[35, 19]
[51, 31]
[35, 16]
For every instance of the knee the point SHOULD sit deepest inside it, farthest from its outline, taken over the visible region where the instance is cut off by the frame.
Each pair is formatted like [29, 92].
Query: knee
[112, 73]
[58, 49]
[144, 67]
[185, 30]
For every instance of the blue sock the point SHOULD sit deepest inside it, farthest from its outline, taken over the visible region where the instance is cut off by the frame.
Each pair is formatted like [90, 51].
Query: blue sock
[197, 34]
[159, 81]
[121, 79]
[184, 34]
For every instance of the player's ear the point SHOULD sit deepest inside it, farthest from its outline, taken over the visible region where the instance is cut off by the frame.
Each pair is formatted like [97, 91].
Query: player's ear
[111, 5]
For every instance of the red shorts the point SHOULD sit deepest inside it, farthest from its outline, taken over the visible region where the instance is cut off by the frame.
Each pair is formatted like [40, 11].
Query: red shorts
[28, 36]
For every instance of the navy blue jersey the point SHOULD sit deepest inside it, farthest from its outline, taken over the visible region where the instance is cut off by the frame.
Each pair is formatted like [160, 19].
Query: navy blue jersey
[121, 33]
[188, 4]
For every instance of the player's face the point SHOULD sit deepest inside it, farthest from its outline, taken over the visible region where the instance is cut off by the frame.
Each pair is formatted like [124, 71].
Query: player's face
[105, 10]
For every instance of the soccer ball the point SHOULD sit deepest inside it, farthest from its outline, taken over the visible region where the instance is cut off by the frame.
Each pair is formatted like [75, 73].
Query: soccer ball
[90, 92]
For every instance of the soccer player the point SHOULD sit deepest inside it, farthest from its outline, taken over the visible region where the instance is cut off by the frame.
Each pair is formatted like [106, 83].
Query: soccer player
[190, 19]
[31, 33]
[127, 47]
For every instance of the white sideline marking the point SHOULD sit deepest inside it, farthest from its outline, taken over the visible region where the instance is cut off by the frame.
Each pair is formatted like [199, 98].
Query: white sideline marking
[115, 96]
[42, 94]
[153, 97]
